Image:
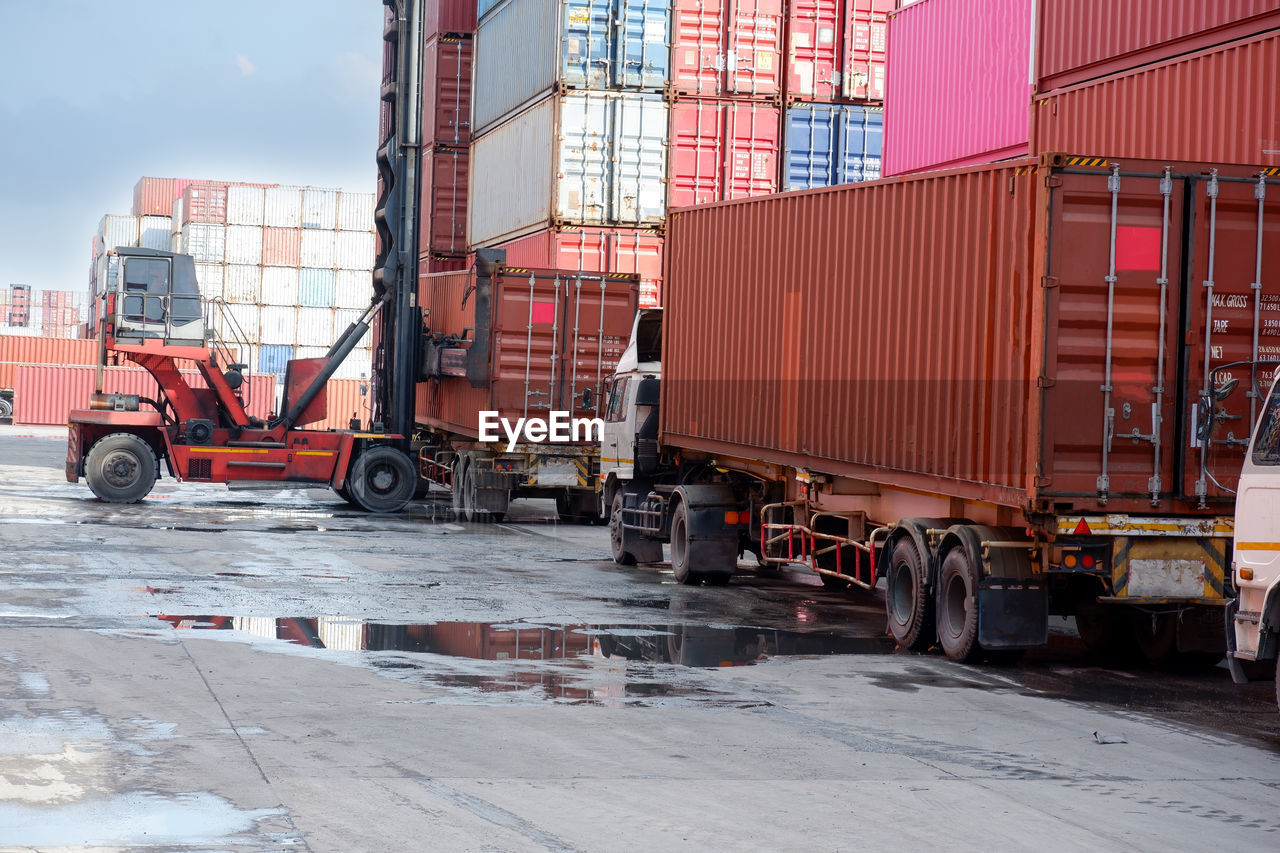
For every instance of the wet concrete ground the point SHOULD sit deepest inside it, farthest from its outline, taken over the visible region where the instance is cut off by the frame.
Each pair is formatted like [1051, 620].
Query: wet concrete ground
[267, 670]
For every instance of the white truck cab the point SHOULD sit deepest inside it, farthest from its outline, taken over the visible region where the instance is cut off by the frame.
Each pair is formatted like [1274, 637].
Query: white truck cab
[629, 401]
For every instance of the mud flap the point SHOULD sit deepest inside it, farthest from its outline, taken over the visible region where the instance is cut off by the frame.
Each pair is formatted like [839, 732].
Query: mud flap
[1013, 613]
[635, 543]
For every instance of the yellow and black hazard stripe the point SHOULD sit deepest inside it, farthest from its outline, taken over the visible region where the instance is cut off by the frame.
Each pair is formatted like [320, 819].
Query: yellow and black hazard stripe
[1214, 552]
[1087, 161]
[1272, 172]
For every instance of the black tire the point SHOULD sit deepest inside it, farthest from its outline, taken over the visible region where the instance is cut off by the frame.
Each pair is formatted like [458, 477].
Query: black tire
[455, 490]
[909, 605]
[717, 578]
[621, 555]
[347, 497]
[468, 489]
[121, 468]
[958, 607]
[1104, 630]
[1156, 636]
[382, 480]
[6, 409]
[1278, 681]
[680, 548]
[577, 508]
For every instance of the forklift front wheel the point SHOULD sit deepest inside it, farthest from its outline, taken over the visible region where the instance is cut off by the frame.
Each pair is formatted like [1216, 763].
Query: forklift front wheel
[121, 468]
[382, 480]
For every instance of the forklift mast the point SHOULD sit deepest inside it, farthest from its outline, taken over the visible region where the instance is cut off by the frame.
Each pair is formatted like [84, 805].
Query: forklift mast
[395, 276]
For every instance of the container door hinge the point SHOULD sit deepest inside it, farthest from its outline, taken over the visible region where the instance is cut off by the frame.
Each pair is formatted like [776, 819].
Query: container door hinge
[1045, 382]
[1053, 182]
[1049, 281]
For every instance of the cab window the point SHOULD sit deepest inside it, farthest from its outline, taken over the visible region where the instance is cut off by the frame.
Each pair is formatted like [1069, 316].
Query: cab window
[1266, 444]
[617, 394]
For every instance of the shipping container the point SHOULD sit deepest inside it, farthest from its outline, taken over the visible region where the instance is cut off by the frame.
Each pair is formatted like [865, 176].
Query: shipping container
[209, 279]
[204, 203]
[207, 244]
[358, 365]
[614, 250]
[45, 394]
[836, 49]
[282, 207]
[155, 196]
[16, 349]
[246, 205]
[449, 16]
[315, 326]
[1217, 105]
[242, 283]
[828, 144]
[721, 150]
[316, 288]
[930, 121]
[154, 231]
[118, 231]
[244, 243]
[318, 248]
[440, 263]
[274, 358]
[281, 285]
[355, 211]
[527, 49]
[1078, 41]
[446, 90]
[444, 201]
[320, 208]
[581, 159]
[281, 247]
[727, 48]
[353, 250]
[278, 325]
[353, 288]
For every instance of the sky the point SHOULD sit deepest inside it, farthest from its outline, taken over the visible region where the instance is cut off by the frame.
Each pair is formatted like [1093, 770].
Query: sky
[94, 94]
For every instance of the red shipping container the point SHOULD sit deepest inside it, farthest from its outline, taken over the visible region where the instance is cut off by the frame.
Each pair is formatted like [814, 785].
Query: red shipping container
[428, 264]
[835, 50]
[1080, 40]
[620, 250]
[1218, 105]
[155, 196]
[443, 225]
[456, 17]
[281, 247]
[930, 121]
[205, 202]
[721, 150]
[446, 90]
[726, 47]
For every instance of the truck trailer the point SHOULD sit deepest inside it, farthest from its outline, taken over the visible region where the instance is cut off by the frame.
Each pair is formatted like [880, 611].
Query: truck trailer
[997, 388]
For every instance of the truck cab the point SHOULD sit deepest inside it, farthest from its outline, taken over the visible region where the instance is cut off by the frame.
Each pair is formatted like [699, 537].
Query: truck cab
[631, 405]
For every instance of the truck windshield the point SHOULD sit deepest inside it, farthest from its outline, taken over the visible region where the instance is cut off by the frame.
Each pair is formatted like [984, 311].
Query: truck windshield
[1266, 444]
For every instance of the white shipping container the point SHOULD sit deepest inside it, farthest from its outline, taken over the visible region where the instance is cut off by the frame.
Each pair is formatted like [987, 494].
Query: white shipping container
[358, 365]
[355, 211]
[209, 278]
[283, 207]
[238, 323]
[319, 208]
[154, 232]
[353, 250]
[312, 352]
[585, 158]
[242, 283]
[342, 634]
[175, 224]
[315, 327]
[354, 289]
[245, 205]
[278, 325]
[318, 248]
[280, 286]
[117, 231]
[207, 244]
[244, 244]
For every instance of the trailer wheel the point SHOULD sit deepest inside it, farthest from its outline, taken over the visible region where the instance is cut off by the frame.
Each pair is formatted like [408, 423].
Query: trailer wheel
[121, 468]
[681, 546]
[1156, 635]
[908, 602]
[382, 480]
[958, 606]
[455, 488]
[6, 409]
[621, 555]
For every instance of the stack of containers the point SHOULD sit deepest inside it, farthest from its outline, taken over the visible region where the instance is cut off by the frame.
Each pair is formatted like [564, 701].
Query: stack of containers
[60, 314]
[1145, 79]
[570, 129]
[18, 307]
[834, 83]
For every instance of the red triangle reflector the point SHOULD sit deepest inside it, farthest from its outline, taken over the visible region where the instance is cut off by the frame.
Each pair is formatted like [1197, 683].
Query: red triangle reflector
[1082, 529]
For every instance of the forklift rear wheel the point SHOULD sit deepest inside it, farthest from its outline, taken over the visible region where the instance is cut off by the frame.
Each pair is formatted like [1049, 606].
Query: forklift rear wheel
[382, 480]
[6, 408]
[121, 468]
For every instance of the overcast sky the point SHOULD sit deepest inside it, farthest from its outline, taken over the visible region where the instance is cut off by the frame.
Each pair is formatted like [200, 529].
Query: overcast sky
[95, 94]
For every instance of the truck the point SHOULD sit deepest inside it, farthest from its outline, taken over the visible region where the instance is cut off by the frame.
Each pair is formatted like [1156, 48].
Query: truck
[512, 345]
[996, 389]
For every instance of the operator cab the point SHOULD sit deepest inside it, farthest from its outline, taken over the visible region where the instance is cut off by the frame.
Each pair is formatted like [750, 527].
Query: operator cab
[631, 396]
[157, 297]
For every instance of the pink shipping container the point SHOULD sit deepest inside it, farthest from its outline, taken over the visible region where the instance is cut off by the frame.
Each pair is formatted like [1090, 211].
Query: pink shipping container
[282, 247]
[17, 350]
[45, 394]
[836, 49]
[721, 150]
[619, 250]
[949, 104]
[205, 203]
[155, 196]
[1218, 105]
[446, 90]
[1079, 41]
[444, 201]
[726, 47]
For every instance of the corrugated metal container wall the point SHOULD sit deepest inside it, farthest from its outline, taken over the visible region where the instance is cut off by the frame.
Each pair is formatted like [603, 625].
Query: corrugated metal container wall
[242, 283]
[280, 285]
[278, 325]
[722, 48]
[866, 49]
[156, 196]
[581, 159]
[836, 49]
[1078, 41]
[282, 207]
[118, 231]
[207, 244]
[526, 49]
[319, 208]
[446, 90]
[318, 248]
[345, 401]
[721, 150]
[282, 247]
[274, 358]
[246, 205]
[353, 250]
[428, 264]
[828, 144]
[929, 122]
[209, 279]
[205, 203]
[444, 201]
[1218, 105]
[315, 326]
[46, 394]
[358, 365]
[353, 288]
[316, 288]
[20, 349]
[449, 16]
[154, 231]
[244, 243]
[355, 211]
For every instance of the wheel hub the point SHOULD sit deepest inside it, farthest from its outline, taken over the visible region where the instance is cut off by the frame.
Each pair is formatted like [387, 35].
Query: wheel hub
[120, 470]
[382, 479]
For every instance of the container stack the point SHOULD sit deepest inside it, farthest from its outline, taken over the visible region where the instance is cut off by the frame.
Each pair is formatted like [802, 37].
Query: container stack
[17, 306]
[1150, 81]
[292, 264]
[61, 314]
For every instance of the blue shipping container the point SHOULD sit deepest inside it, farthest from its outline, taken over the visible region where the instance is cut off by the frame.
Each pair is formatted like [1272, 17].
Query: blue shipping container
[832, 144]
[274, 358]
[317, 288]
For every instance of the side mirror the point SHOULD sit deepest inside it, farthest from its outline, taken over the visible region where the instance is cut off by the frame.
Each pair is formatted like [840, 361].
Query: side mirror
[1224, 390]
[588, 398]
[649, 392]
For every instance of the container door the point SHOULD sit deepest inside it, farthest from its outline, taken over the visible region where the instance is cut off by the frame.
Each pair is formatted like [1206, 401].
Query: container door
[861, 143]
[698, 45]
[529, 312]
[1113, 313]
[753, 63]
[583, 178]
[1233, 302]
[751, 145]
[811, 141]
[593, 336]
[642, 44]
[813, 68]
[639, 160]
[697, 136]
[865, 41]
[588, 44]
